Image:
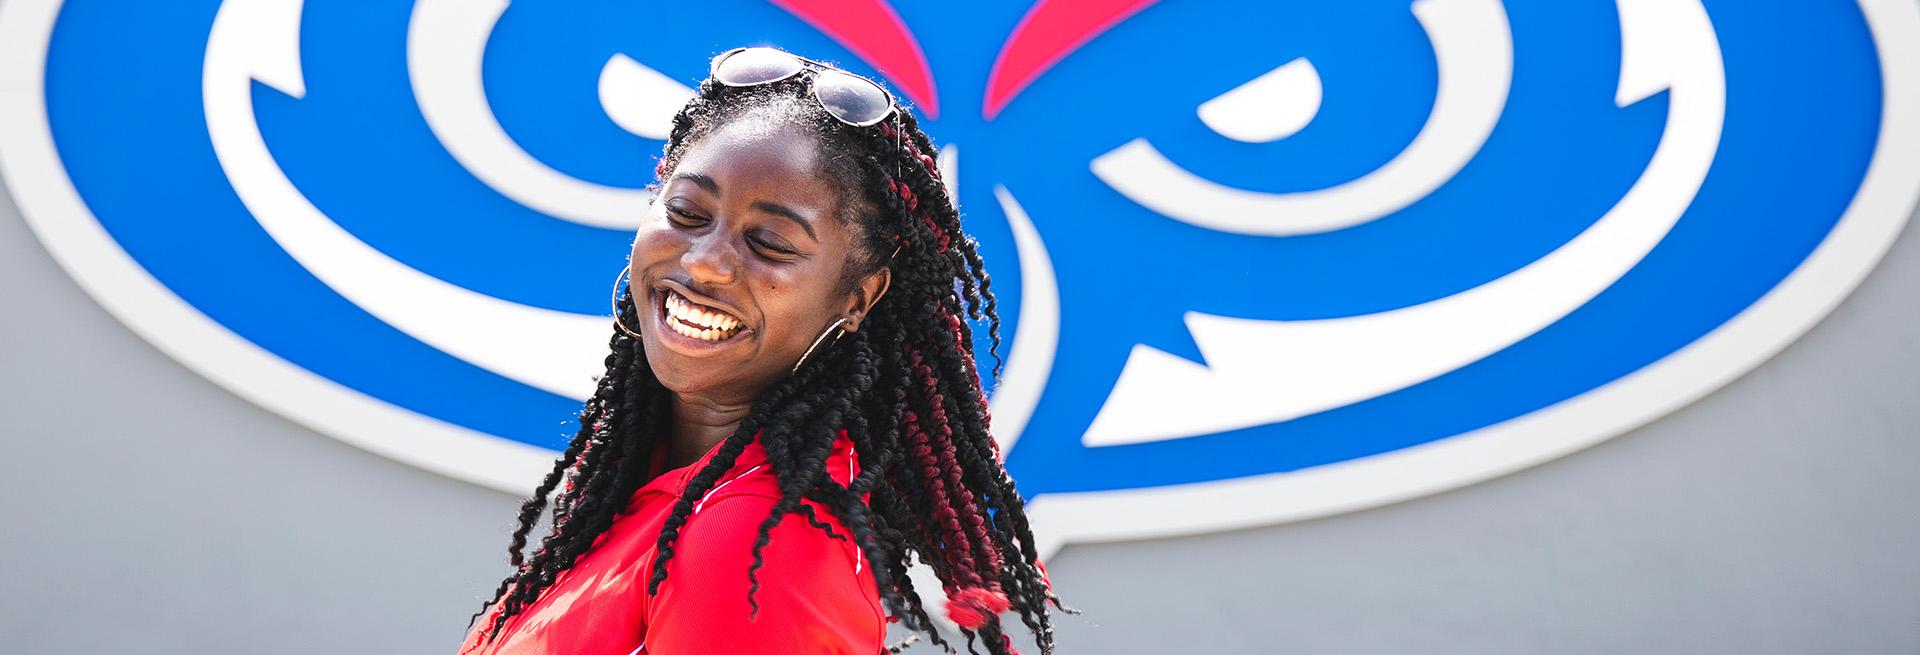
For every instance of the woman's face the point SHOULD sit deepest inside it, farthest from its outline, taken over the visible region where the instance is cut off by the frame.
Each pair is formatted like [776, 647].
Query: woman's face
[740, 260]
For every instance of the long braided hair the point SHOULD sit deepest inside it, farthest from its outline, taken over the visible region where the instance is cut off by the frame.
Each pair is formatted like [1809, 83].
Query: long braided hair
[903, 388]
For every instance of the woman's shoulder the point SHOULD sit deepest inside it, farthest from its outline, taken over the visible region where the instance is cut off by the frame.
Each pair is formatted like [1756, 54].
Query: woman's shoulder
[738, 514]
[721, 513]
[797, 559]
[725, 523]
[761, 482]
[809, 589]
[810, 543]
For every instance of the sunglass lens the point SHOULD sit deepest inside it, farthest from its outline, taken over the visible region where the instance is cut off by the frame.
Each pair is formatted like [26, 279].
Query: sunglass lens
[755, 66]
[851, 98]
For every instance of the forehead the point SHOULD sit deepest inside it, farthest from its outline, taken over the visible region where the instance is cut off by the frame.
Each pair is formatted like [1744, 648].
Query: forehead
[765, 160]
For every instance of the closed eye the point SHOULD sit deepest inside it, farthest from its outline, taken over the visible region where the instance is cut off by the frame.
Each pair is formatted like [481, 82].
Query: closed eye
[686, 219]
[773, 247]
[683, 218]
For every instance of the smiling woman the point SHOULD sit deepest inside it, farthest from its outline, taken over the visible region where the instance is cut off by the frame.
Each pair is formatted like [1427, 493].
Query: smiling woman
[803, 349]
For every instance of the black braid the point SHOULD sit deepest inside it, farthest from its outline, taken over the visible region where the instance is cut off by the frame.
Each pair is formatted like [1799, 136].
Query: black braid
[903, 388]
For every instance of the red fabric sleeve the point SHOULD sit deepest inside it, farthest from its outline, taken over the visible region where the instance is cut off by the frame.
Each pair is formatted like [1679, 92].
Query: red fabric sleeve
[810, 598]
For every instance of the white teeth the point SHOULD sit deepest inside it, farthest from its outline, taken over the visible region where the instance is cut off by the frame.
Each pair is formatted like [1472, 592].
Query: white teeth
[692, 320]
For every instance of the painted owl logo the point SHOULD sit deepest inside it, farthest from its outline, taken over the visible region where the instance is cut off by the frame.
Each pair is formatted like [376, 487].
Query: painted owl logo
[1270, 260]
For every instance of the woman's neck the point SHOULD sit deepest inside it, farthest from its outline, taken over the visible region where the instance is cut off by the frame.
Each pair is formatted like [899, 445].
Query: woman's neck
[700, 422]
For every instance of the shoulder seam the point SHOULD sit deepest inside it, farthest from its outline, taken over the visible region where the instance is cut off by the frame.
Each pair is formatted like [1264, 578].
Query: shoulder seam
[714, 493]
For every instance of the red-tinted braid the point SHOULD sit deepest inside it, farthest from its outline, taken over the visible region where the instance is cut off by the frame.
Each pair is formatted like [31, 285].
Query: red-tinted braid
[933, 170]
[968, 506]
[970, 551]
[912, 203]
[587, 450]
[964, 343]
[954, 537]
[905, 191]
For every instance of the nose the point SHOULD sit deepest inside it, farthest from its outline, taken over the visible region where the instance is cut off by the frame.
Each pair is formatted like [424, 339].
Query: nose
[711, 259]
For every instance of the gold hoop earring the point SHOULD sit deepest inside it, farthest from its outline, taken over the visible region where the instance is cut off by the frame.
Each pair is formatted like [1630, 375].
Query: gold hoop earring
[816, 341]
[616, 302]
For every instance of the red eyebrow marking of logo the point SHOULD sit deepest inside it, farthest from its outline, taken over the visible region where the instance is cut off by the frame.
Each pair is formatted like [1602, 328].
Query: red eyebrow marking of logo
[1049, 32]
[875, 33]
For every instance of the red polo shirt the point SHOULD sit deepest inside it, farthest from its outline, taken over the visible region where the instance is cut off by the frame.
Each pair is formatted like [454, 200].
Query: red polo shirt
[815, 595]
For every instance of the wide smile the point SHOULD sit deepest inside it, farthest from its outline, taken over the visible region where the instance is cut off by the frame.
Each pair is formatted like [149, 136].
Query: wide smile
[691, 328]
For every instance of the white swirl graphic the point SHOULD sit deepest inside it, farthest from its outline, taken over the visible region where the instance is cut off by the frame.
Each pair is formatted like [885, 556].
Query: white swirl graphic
[1474, 47]
[560, 352]
[446, 46]
[1267, 108]
[1261, 372]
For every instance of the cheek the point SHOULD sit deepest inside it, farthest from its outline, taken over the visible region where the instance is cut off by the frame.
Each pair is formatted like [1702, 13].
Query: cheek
[651, 243]
[790, 306]
[801, 305]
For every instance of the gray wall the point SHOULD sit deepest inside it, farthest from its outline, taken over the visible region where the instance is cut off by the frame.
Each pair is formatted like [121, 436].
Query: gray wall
[148, 510]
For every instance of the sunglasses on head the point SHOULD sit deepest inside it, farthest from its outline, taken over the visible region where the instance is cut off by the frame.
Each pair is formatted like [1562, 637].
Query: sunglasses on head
[852, 99]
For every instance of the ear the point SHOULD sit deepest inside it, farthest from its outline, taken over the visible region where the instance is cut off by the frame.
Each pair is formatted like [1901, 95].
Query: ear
[865, 295]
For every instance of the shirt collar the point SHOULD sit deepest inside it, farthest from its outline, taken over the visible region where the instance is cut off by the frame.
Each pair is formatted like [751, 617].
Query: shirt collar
[674, 482]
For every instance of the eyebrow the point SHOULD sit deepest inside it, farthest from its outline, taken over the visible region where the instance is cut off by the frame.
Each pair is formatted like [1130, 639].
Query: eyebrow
[713, 187]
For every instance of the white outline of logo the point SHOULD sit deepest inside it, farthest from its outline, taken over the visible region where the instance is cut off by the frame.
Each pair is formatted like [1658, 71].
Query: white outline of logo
[1879, 210]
